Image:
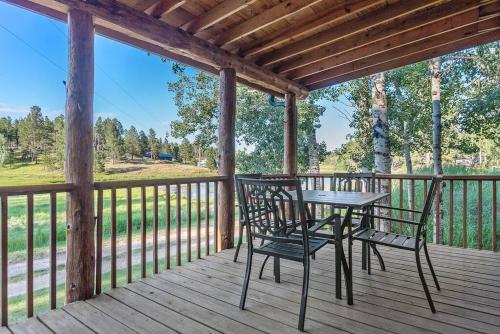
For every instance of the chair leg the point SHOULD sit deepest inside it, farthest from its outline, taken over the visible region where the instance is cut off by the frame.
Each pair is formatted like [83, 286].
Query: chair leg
[430, 266]
[247, 279]
[240, 240]
[380, 259]
[262, 267]
[277, 271]
[303, 300]
[424, 283]
[369, 259]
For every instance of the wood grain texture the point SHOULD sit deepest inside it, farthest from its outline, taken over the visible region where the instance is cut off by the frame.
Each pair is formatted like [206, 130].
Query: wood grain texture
[227, 156]
[80, 250]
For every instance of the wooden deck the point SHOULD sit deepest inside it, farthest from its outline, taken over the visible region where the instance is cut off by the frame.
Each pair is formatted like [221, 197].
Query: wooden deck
[203, 296]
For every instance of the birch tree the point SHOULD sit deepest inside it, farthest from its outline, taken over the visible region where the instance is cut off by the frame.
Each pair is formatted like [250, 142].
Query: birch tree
[381, 147]
[435, 72]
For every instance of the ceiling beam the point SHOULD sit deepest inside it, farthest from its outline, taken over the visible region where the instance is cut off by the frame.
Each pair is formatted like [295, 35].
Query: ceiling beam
[396, 41]
[377, 33]
[112, 14]
[357, 25]
[433, 42]
[215, 15]
[350, 8]
[264, 19]
[163, 7]
[452, 46]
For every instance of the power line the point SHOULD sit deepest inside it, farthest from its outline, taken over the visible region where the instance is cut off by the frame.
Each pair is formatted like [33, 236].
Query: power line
[48, 59]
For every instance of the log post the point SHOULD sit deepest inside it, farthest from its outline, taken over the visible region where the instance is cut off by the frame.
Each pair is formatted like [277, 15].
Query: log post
[290, 136]
[80, 258]
[226, 157]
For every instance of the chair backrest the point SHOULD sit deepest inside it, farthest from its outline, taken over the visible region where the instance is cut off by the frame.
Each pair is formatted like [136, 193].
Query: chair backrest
[272, 212]
[246, 176]
[360, 182]
[431, 194]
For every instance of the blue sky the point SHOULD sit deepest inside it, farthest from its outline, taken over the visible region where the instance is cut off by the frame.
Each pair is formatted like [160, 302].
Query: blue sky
[129, 84]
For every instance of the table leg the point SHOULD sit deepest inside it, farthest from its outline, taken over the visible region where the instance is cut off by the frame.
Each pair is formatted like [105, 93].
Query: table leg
[349, 247]
[338, 258]
[277, 273]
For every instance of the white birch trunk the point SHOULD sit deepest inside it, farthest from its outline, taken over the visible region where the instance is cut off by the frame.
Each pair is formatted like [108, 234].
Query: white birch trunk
[435, 70]
[381, 148]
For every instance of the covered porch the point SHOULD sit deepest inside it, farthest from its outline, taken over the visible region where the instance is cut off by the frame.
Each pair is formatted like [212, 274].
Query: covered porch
[286, 49]
[203, 297]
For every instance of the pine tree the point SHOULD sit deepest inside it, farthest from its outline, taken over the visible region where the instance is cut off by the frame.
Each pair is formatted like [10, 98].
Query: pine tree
[132, 145]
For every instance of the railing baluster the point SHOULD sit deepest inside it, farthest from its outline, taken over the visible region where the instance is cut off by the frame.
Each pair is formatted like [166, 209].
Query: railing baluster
[4, 250]
[155, 229]
[29, 257]
[167, 226]
[464, 214]
[178, 225]
[143, 232]
[379, 186]
[207, 219]
[53, 250]
[400, 205]
[113, 238]
[412, 206]
[129, 235]
[438, 213]
[322, 208]
[198, 220]
[450, 227]
[390, 204]
[188, 222]
[480, 214]
[98, 257]
[494, 225]
[216, 225]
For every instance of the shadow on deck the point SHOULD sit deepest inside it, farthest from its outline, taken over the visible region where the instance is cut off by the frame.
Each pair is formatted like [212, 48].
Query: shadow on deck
[203, 297]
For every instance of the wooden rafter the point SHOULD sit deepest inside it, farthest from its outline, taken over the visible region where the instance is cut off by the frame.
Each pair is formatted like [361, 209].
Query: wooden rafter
[452, 46]
[164, 7]
[321, 68]
[273, 14]
[433, 42]
[216, 14]
[316, 23]
[377, 33]
[382, 15]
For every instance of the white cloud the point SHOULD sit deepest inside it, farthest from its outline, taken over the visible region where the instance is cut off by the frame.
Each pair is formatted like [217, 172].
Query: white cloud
[18, 111]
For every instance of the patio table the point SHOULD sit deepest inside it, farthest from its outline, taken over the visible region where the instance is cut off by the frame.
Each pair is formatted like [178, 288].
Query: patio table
[351, 201]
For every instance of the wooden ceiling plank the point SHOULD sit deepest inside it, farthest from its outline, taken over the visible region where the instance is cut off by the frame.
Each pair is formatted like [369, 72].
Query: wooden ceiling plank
[429, 43]
[349, 9]
[178, 41]
[141, 5]
[215, 15]
[163, 7]
[377, 33]
[382, 15]
[453, 46]
[269, 16]
[386, 44]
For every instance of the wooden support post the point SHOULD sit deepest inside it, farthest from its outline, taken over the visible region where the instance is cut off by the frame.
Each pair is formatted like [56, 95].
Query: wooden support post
[80, 261]
[226, 158]
[290, 137]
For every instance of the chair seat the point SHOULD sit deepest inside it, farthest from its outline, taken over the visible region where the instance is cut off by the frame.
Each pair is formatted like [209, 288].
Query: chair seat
[294, 252]
[386, 238]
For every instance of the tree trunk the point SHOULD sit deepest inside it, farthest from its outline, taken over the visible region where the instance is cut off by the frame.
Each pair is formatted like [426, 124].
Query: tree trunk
[80, 259]
[290, 136]
[314, 158]
[435, 70]
[381, 148]
[408, 162]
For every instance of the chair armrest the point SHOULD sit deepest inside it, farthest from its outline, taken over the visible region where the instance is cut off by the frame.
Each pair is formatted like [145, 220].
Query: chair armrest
[319, 223]
[395, 208]
[405, 221]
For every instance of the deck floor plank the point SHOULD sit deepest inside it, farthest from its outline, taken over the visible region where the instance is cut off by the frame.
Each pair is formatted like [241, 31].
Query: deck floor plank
[203, 297]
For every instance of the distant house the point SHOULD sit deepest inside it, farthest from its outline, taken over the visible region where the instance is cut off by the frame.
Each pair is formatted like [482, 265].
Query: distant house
[161, 156]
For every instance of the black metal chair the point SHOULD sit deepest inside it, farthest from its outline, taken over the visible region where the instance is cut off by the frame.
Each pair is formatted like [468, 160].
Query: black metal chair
[240, 209]
[405, 242]
[271, 215]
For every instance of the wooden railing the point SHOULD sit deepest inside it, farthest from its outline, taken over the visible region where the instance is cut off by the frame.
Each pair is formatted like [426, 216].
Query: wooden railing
[139, 216]
[29, 195]
[473, 225]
